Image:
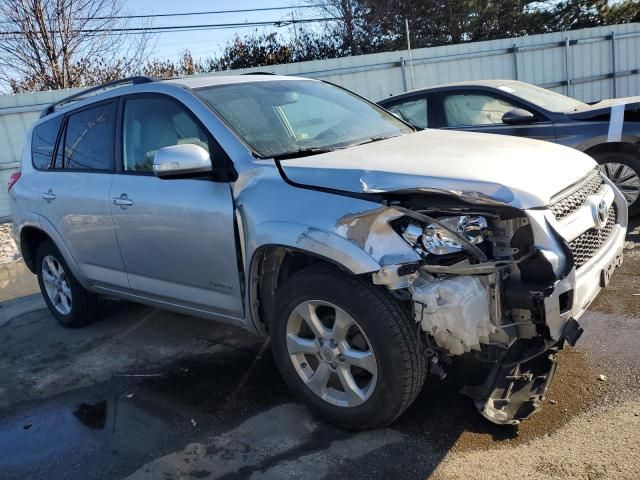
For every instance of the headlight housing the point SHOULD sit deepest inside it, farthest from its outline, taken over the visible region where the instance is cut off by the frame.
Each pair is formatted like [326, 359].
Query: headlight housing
[442, 241]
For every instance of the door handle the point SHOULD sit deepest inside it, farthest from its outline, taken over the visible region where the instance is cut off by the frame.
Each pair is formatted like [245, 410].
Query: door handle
[122, 201]
[49, 196]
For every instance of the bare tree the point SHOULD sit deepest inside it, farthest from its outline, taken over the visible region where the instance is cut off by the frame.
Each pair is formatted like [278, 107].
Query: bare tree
[49, 44]
[349, 25]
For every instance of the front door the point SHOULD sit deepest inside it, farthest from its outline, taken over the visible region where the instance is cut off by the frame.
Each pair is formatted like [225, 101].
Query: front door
[176, 236]
[482, 111]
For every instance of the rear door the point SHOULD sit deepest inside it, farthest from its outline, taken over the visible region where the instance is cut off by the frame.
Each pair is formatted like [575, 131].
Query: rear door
[482, 111]
[177, 236]
[75, 193]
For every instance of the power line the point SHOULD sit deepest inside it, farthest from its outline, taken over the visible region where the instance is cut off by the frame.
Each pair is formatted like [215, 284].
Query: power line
[212, 12]
[183, 28]
[187, 14]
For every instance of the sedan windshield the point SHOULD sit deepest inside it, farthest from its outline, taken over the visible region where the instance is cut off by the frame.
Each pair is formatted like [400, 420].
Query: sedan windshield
[547, 99]
[289, 118]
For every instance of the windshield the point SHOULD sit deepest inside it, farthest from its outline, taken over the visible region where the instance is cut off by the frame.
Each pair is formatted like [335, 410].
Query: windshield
[552, 101]
[281, 118]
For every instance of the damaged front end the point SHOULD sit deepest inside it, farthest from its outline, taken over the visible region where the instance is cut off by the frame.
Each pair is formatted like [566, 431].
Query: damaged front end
[483, 287]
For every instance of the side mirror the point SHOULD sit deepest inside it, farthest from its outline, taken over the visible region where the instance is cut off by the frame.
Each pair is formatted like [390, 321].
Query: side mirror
[181, 161]
[518, 116]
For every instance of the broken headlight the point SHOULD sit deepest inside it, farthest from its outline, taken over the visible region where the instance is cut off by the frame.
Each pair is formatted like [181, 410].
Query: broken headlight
[441, 241]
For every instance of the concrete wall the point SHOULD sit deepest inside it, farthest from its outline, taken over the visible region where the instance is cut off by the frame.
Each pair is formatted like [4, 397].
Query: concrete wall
[579, 63]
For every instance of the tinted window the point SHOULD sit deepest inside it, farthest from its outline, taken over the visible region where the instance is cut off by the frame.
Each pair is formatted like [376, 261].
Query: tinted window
[89, 138]
[44, 141]
[153, 123]
[474, 109]
[412, 111]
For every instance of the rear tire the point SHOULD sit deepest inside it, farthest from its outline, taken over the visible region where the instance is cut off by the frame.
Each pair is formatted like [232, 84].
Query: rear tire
[623, 169]
[69, 302]
[379, 350]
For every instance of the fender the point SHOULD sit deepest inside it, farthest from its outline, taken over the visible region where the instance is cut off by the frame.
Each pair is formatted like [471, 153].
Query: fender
[47, 228]
[314, 241]
[603, 139]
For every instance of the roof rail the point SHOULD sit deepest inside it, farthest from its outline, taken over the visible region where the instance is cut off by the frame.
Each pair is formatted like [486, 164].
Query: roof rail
[259, 73]
[77, 96]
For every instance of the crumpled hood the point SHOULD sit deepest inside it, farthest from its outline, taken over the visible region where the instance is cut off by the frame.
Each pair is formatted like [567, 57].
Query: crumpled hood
[516, 171]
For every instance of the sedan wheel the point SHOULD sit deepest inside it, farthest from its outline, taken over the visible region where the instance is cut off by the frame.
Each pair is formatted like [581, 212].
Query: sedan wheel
[625, 178]
[331, 353]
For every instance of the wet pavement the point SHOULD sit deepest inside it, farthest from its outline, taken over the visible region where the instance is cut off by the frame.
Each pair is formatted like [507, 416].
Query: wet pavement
[16, 281]
[145, 393]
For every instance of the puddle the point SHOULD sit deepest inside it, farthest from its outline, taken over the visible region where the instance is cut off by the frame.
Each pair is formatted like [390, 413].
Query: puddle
[128, 420]
[92, 416]
[16, 281]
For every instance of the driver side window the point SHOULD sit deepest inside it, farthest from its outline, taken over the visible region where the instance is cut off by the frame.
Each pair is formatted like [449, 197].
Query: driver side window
[153, 123]
[474, 109]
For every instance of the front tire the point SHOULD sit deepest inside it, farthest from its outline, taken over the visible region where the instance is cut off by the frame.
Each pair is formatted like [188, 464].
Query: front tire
[623, 169]
[69, 302]
[346, 348]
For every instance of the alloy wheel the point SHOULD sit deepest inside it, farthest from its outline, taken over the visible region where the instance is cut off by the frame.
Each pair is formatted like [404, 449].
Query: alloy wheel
[56, 284]
[331, 353]
[625, 178]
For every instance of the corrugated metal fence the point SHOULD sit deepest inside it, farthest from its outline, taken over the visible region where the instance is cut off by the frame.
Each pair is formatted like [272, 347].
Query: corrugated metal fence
[589, 64]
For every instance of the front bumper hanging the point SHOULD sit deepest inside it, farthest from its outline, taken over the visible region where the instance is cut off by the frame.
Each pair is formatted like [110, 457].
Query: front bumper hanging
[520, 380]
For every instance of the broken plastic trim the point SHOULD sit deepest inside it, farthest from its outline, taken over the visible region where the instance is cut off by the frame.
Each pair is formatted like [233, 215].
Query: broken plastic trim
[477, 269]
[514, 388]
[520, 380]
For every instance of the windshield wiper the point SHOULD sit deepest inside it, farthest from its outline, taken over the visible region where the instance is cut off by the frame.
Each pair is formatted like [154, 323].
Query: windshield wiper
[307, 152]
[303, 152]
[372, 140]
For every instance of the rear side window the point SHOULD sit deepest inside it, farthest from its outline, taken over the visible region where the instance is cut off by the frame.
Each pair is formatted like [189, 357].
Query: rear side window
[89, 138]
[43, 142]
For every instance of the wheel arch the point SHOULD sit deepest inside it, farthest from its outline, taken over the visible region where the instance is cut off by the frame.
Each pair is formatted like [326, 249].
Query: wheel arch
[613, 147]
[31, 237]
[270, 267]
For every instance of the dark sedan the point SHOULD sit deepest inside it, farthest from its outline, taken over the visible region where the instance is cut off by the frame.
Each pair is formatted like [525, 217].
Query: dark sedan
[609, 130]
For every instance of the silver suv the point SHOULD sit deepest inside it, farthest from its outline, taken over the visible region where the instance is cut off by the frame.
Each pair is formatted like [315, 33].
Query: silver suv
[369, 253]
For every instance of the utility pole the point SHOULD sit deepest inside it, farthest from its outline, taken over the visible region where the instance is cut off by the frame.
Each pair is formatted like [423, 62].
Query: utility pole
[406, 22]
[295, 33]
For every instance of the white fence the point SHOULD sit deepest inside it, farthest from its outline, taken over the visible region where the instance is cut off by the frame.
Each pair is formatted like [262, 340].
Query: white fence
[589, 64]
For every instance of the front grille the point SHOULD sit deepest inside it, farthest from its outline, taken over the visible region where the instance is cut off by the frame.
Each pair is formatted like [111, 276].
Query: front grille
[574, 200]
[586, 245]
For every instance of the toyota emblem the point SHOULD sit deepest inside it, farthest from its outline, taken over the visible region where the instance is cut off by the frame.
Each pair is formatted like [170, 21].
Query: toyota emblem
[602, 214]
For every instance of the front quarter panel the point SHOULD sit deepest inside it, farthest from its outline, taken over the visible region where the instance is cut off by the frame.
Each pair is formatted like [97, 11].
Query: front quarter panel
[347, 231]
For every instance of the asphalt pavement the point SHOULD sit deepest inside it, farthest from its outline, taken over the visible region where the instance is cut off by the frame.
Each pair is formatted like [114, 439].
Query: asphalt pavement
[145, 393]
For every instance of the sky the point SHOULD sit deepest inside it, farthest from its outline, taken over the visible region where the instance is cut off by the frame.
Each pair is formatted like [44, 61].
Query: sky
[205, 43]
